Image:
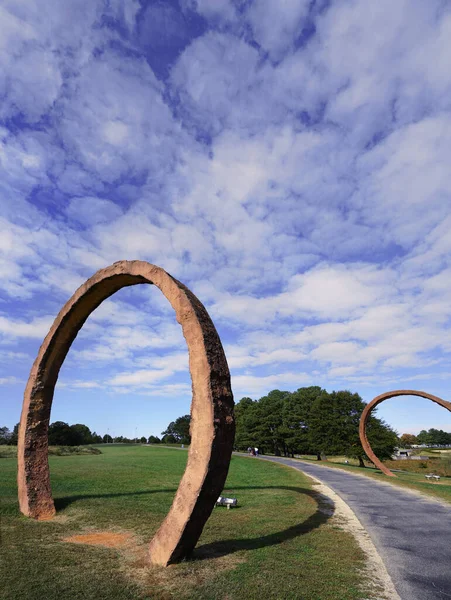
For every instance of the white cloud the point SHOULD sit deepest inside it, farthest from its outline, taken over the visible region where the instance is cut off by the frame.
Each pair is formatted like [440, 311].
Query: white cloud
[36, 328]
[91, 210]
[212, 78]
[407, 180]
[123, 341]
[140, 378]
[79, 385]
[40, 78]
[212, 9]
[276, 26]
[292, 169]
[114, 118]
[254, 386]
[168, 390]
[8, 380]
[332, 291]
[162, 26]
[325, 292]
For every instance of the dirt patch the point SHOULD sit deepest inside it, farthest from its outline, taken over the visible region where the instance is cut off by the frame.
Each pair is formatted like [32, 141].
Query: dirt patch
[165, 583]
[176, 579]
[162, 583]
[107, 539]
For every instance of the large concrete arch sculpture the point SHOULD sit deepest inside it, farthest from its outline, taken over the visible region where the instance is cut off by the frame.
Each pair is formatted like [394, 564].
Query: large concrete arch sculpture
[212, 417]
[371, 405]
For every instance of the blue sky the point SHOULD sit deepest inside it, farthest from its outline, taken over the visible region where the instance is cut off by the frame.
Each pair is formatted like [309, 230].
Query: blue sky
[289, 161]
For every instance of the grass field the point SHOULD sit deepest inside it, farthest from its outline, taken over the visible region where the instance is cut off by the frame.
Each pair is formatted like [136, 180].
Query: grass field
[433, 452]
[409, 474]
[279, 543]
[434, 464]
[11, 451]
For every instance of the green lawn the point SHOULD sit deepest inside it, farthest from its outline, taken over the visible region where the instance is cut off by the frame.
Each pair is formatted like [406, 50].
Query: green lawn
[279, 543]
[11, 451]
[413, 480]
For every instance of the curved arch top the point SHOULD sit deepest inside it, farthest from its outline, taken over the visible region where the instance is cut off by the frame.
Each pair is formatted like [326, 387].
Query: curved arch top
[212, 417]
[377, 400]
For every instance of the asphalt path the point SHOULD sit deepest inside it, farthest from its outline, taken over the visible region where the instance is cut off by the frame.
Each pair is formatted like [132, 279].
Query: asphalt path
[411, 533]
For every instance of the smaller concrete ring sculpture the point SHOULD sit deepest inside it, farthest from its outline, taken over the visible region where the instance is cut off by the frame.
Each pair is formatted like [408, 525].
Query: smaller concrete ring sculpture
[367, 411]
[212, 419]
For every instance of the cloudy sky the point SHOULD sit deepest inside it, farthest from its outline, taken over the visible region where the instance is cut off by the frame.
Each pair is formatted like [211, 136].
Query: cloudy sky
[289, 161]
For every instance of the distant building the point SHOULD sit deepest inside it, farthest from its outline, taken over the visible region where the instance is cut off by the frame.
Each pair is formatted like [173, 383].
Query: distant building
[407, 454]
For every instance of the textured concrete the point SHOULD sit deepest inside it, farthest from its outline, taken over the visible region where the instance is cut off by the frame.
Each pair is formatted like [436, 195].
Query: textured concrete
[371, 405]
[212, 417]
[411, 533]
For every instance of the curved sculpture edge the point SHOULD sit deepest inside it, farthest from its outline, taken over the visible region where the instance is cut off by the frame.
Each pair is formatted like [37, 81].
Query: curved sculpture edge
[212, 423]
[377, 400]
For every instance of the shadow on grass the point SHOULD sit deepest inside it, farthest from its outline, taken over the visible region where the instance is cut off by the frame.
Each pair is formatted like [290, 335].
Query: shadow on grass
[64, 502]
[325, 509]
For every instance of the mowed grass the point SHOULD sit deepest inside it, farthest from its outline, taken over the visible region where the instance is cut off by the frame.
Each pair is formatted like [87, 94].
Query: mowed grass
[413, 479]
[11, 451]
[280, 543]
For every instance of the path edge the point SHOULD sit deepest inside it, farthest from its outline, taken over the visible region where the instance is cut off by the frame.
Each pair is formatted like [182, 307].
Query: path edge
[375, 568]
[390, 483]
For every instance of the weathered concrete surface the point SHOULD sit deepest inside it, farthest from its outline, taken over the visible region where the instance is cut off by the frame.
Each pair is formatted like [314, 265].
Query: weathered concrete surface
[367, 411]
[212, 417]
[411, 532]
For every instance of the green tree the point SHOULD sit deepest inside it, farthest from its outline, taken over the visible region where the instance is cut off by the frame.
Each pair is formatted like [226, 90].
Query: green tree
[153, 439]
[309, 420]
[107, 439]
[440, 437]
[143, 440]
[334, 427]
[270, 432]
[246, 417]
[81, 434]
[96, 438]
[15, 435]
[434, 437]
[5, 435]
[179, 429]
[295, 418]
[424, 437]
[322, 426]
[347, 409]
[61, 434]
[169, 439]
[382, 437]
[407, 440]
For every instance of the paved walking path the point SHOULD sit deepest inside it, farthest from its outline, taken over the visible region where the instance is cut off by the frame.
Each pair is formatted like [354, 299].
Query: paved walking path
[411, 533]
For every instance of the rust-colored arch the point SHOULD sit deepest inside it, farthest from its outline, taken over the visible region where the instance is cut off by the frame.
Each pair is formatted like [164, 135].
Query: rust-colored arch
[367, 411]
[212, 417]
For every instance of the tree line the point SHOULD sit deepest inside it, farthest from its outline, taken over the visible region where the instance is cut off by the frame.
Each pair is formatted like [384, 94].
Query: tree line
[60, 434]
[63, 434]
[310, 421]
[432, 437]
